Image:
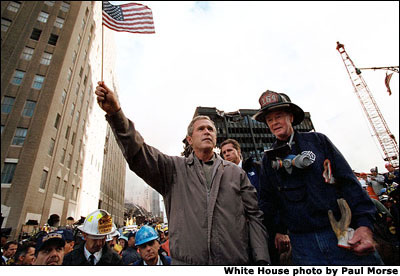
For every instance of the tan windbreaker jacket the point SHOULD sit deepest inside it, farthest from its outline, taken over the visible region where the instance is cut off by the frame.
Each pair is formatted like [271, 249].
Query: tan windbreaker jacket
[220, 226]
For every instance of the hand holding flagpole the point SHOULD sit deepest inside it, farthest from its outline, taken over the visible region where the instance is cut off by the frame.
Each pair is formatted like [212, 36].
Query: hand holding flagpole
[107, 99]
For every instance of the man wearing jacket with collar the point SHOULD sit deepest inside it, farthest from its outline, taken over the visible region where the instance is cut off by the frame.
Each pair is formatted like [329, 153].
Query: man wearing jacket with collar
[230, 151]
[303, 177]
[94, 251]
[210, 203]
[148, 242]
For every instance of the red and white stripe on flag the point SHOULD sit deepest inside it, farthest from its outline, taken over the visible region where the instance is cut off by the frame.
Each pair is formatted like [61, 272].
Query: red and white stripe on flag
[131, 17]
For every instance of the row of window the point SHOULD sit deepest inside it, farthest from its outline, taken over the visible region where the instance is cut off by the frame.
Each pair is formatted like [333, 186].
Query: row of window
[35, 35]
[8, 103]
[43, 16]
[14, 6]
[27, 54]
[60, 188]
[9, 168]
[19, 75]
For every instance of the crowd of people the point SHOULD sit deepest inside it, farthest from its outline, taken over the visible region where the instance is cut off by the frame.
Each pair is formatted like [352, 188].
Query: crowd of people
[95, 242]
[301, 205]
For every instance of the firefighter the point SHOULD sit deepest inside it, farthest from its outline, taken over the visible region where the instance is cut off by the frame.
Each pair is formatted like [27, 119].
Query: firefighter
[94, 251]
[306, 184]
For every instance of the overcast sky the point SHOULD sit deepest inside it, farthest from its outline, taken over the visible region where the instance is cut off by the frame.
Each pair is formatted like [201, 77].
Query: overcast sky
[225, 54]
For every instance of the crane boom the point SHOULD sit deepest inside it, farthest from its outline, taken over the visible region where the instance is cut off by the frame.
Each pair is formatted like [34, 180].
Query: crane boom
[391, 68]
[378, 124]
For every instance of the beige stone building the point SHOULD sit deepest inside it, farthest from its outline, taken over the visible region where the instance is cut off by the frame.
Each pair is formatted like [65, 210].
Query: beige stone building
[58, 155]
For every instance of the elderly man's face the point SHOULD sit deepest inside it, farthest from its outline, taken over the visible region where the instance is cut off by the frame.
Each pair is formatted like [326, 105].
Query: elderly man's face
[94, 245]
[203, 137]
[52, 254]
[149, 252]
[280, 124]
[230, 153]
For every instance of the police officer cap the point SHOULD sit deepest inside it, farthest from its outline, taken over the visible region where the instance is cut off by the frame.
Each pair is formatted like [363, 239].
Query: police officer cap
[48, 239]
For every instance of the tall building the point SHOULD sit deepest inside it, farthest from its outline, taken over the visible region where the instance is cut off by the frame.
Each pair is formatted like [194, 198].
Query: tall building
[55, 149]
[254, 137]
[155, 203]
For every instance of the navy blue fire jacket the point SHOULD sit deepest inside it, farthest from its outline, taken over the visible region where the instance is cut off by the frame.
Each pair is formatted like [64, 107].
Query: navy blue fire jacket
[299, 202]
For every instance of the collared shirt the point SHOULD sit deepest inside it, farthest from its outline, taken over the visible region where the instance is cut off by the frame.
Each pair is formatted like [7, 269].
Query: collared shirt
[241, 163]
[208, 168]
[159, 262]
[5, 259]
[97, 255]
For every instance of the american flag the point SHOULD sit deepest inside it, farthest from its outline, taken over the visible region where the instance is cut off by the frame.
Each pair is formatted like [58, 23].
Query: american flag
[131, 17]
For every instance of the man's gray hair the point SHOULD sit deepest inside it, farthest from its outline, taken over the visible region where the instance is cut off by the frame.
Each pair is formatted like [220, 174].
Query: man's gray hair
[200, 117]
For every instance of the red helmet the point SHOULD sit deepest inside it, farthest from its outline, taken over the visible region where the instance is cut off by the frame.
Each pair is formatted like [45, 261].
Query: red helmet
[387, 165]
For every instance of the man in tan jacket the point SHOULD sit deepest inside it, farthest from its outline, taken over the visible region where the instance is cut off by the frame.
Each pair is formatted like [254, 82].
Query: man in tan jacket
[211, 205]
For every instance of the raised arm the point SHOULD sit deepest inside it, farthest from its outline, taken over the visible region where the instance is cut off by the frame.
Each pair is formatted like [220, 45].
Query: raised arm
[154, 167]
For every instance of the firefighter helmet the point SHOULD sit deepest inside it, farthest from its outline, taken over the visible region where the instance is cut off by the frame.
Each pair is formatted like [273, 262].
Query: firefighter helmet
[98, 224]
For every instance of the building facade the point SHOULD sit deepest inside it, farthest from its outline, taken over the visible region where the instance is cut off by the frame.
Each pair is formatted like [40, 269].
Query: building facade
[155, 203]
[254, 137]
[53, 134]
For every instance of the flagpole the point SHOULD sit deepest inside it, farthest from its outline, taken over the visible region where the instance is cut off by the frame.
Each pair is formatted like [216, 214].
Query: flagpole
[102, 46]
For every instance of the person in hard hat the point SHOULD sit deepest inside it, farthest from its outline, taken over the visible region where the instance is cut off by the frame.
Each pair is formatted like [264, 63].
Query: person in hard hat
[165, 244]
[303, 177]
[130, 255]
[377, 181]
[112, 240]
[147, 240]
[50, 249]
[94, 251]
[122, 244]
[392, 174]
[161, 234]
[209, 201]
[370, 190]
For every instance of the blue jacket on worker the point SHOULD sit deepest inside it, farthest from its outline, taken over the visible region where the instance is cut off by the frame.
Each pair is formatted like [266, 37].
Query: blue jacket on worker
[299, 202]
[302, 179]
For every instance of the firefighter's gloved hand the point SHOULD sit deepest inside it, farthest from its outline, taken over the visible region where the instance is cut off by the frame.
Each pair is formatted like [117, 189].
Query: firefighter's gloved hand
[341, 227]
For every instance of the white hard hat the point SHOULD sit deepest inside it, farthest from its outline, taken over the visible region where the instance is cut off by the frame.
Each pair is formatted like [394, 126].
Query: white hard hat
[98, 224]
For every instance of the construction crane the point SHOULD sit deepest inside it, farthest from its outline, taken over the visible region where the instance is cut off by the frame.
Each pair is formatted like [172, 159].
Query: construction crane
[391, 68]
[378, 124]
